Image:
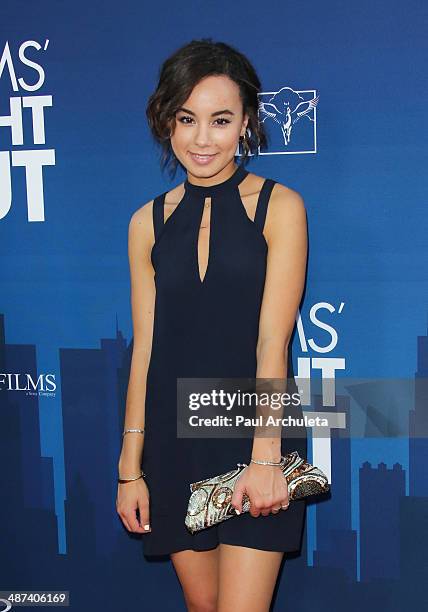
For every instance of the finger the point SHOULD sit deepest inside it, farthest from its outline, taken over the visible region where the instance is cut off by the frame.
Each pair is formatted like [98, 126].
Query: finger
[121, 513]
[131, 517]
[124, 521]
[143, 508]
[236, 500]
[285, 500]
[255, 509]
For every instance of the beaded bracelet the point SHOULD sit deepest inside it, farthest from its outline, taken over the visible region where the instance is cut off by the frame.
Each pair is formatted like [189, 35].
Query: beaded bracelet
[133, 431]
[262, 462]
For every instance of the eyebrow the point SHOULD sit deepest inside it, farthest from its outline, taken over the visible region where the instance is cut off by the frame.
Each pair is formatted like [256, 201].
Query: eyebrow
[226, 111]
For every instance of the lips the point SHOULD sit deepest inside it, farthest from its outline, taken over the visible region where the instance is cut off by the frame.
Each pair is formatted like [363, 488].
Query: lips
[202, 158]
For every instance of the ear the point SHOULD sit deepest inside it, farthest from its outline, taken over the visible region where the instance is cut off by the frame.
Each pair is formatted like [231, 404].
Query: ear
[245, 121]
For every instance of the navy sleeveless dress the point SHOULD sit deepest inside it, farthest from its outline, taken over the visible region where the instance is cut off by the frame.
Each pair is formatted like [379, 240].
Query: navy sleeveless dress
[207, 328]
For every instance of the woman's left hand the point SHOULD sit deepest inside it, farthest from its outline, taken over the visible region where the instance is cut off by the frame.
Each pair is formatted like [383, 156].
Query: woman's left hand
[265, 485]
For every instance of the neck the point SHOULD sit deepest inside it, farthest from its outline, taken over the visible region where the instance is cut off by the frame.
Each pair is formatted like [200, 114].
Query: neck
[211, 181]
[207, 189]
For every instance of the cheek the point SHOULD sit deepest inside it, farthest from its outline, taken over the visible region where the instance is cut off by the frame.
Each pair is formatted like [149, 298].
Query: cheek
[181, 137]
[228, 138]
[225, 138]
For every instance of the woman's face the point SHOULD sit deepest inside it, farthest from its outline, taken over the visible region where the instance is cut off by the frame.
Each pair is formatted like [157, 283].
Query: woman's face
[208, 126]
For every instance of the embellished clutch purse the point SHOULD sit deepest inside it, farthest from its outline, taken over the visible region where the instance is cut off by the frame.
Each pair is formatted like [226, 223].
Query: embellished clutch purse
[209, 502]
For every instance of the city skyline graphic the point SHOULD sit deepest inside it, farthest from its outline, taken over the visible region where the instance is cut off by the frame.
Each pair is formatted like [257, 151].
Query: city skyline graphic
[362, 547]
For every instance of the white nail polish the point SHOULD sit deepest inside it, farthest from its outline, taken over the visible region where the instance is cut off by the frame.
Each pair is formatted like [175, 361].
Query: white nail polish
[147, 527]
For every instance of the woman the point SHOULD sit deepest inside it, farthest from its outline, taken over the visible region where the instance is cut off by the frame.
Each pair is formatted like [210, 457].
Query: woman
[217, 273]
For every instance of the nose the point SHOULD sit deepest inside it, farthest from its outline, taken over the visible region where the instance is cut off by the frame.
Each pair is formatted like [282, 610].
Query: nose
[202, 138]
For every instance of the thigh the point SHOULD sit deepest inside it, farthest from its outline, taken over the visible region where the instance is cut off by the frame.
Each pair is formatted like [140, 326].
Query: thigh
[197, 572]
[247, 578]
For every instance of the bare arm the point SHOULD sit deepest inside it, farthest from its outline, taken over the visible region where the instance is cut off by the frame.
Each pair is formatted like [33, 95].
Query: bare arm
[286, 234]
[140, 242]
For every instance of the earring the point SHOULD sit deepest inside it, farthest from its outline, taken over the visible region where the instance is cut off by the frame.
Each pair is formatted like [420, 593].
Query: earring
[244, 137]
[244, 143]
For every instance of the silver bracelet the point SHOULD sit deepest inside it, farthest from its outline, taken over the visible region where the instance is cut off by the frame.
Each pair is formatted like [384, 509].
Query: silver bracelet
[141, 431]
[262, 462]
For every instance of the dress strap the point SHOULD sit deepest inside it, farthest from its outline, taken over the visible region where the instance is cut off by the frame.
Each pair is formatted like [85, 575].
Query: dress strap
[262, 203]
[158, 214]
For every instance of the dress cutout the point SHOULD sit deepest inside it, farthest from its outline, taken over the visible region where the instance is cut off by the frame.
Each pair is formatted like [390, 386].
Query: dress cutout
[207, 327]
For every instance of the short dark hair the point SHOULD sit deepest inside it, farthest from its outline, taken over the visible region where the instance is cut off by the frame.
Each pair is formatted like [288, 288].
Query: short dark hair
[182, 71]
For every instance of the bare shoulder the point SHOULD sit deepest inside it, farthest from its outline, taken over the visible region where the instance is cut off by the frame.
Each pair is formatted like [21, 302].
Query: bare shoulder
[142, 217]
[286, 202]
[286, 211]
[141, 231]
[286, 214]
[281, 196]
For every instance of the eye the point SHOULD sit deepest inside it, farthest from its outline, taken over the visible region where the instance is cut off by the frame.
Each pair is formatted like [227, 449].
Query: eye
[186, 120]
[226, 121]
[183, 119]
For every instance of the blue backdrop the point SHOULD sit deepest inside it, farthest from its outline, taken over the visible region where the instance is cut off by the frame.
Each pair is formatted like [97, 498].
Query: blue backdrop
[77, 159]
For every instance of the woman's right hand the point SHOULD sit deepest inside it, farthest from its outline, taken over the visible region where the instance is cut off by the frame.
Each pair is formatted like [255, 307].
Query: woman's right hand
[130, 497]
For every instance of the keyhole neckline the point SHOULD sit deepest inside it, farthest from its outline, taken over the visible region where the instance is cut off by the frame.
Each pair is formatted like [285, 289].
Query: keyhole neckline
[208, 190]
